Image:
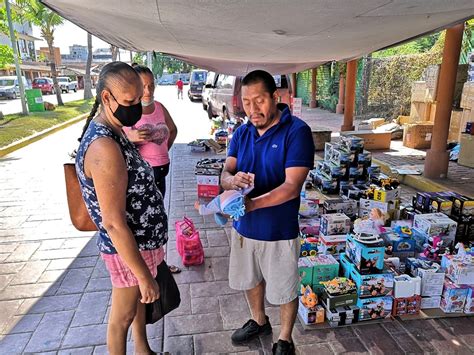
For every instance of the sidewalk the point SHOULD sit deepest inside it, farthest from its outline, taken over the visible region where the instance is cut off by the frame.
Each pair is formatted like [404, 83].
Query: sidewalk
[55, 291]
[460, 178]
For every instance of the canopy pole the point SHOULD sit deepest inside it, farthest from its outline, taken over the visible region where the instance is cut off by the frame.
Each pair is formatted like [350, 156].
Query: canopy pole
[340, 103]
[313, 103]
[349, 100]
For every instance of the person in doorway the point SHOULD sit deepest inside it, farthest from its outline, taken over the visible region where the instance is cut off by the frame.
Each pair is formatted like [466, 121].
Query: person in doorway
[124, 203]
[278, 148]
[154, 134]
[180, 85]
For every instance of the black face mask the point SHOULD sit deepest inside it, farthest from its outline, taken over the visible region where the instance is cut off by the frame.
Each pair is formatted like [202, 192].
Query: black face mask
[128, 115]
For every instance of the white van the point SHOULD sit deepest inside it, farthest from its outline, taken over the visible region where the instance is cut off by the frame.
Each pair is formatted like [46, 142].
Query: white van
[9, 87]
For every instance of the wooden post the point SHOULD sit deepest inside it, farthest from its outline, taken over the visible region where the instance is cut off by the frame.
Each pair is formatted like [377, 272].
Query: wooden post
[313, 102]
[351, 74]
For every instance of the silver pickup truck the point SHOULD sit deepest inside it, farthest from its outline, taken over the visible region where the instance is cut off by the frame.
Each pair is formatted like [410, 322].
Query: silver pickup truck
[66, 84]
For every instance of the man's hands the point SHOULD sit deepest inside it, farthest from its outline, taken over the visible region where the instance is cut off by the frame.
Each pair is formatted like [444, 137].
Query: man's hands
[149, 290]
[139, 135]
[240, 180]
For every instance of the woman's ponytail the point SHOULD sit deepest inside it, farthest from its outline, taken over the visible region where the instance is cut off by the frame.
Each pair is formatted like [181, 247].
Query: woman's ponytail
[95, 107]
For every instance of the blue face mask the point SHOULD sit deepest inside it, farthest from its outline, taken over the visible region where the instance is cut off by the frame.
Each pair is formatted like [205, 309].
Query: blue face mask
[127, 115]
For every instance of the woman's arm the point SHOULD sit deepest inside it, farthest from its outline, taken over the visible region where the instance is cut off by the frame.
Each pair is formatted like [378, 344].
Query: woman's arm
[105, 164]
[171, 126]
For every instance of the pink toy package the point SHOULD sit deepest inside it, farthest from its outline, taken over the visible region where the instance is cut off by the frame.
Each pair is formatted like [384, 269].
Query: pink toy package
[188, 243]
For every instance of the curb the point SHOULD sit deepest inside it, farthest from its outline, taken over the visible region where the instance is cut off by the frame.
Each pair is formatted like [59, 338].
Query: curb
[36, 137]
[418, 182]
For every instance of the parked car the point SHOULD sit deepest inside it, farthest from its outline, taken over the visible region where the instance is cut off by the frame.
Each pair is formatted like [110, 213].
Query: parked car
[196, 83]
[9, 87]
[66, 84]
[46, 85]
[207, 89]
[226, 96]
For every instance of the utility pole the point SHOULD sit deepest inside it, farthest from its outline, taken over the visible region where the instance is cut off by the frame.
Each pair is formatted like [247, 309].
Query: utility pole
[15, 56]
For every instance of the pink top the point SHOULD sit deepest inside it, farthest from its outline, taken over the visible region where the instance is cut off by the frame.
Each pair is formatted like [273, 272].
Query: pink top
[155, 152]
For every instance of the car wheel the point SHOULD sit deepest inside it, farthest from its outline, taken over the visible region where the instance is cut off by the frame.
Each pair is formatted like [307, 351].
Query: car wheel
[209, 112]
[204, 106]
[75, 89]
[14, 96]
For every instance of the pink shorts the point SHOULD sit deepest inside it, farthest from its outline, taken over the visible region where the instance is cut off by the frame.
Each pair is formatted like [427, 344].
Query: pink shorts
[121, 275]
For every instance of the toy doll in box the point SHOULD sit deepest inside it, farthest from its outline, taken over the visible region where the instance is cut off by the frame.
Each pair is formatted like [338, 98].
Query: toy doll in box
[371, 225]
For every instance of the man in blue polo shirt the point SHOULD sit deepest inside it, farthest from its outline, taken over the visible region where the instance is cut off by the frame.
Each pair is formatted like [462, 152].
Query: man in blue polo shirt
[278, 148]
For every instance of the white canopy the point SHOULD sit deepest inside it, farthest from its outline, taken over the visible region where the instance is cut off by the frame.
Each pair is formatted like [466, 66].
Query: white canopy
[281, 36]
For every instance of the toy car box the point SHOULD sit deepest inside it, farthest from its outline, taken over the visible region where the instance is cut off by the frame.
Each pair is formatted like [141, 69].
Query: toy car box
[435, 224]
[367, 258]
[397, 246]
[312, 315]
[373, 285]
[342, 315]
[340, 205]
[325, 268]
[334, 223]
[375, 307]
[332, 244]
[407, 305]
[459, 270]
[454, 297]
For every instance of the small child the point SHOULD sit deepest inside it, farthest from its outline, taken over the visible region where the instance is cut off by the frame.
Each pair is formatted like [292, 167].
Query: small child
[230, 203]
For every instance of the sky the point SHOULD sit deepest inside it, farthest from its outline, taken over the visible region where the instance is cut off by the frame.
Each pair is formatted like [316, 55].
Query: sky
[66, 35]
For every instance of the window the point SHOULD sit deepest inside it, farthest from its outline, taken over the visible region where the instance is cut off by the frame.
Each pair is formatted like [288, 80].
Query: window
[198, 77]
[7, 82]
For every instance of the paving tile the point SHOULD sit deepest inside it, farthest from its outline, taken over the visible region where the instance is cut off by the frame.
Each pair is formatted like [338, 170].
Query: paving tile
[77, 351]
[84, 262]
[24, 324]
[463, 327]
[210, 289]
[50, 332]
[24, 291]
[320, 349]
[52, 276]
[30, 273]
[193, 324]
[23, 252]
[348, 346]
[304, 337]
[220, 343]
[51, 244]
[75, 281]
[50, 304]
[376, 339]
[204, 305]
[100, 270]
[216, 251]
[185, 306]
[217, 238]
[60, 264]
[91, 309]
[7, 310]
[89, 335]
[220, 268]
[11, 268]
[194, 274]
[5, 280]
[179, 345]
[101, 284]
[78, 242]
[55, 254]
[14, 343]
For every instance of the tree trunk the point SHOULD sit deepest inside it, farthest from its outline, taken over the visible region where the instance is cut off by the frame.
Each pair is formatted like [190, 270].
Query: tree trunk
[131, 57]
[114, 51]
[87, 77]
[54, 75]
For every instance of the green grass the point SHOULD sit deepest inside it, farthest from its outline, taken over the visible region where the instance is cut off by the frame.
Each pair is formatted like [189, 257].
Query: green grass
[15, 127]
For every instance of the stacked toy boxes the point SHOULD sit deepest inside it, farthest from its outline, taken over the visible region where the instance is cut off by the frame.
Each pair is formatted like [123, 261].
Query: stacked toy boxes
[406, 295]
[363, 262]
[432, 281]
[208, 172]
[333, 233]
[314, 269]
[459, 283]
[339, 298]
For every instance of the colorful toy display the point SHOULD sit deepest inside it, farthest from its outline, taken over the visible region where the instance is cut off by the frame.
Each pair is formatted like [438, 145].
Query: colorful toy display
[366, 252]
[375, 308]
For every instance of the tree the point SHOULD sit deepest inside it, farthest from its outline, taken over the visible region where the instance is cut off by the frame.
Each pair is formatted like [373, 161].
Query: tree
[87, 77]
[6, 56]
[47, 21]
[114, 50]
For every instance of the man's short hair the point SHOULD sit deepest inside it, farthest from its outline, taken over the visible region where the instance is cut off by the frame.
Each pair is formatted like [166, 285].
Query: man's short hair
[260, 76]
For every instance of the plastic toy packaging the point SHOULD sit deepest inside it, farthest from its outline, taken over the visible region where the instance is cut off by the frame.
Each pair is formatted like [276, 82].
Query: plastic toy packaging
[339, 286]
[372, 225]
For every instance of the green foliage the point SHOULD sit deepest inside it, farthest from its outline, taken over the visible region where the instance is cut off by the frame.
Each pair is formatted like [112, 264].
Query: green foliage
[419, 45]
[39, 15]
[6, 56]
[4, 21]
[162, 63]
[139, 58]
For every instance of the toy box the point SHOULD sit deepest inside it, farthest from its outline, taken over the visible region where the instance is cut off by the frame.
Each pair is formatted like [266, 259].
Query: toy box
[397, 246]
[375, 308]
[352, 143]
[346, 266]
[459, 270]
[469, 308]
[312, 315]
[463, 206]
[435, 224]
[454, 297]
[340, 205]
[408, 305]
[387, 195]
[305, 271]
[309, 246]
[432, 278]
[332, 301]
[430, 302]
[441, 205]
[325, 267]
[390, 208]
[373, 285]
[367, 258]
[342, 315]
[309, 208]
[309, 226]
[332, 244]
[335, 223]
[406, 286]
[208, 185]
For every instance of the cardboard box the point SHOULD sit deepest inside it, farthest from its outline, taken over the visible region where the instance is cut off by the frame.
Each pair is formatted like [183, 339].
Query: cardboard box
[333, 301]
[332, 244]
[320, 138]
[341, 205]
[372, 123]
[342, 315]
[467, 96]
[367, 258]
[404, 120]
[459, 270]
[432, 112]
[469, 308]
[375, 308]
[208, 185]
[407, 305]
[325, 268]
[455, 126]
[418, 91]
[432, 277]
[454, 297]
[312, 315]
[430, 302]
[387, 195]
[418, 135]
[397, 246]
[435, 224]
[406, 286]
[305, 271]
[373, 285]
[431, 77]
[334, 224]
[463, 207]
[373, 140]
[466, 116]
[466, 156]
[420, 111]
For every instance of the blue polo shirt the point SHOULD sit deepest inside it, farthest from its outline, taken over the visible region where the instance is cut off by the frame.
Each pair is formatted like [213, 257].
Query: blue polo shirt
[287, 144]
